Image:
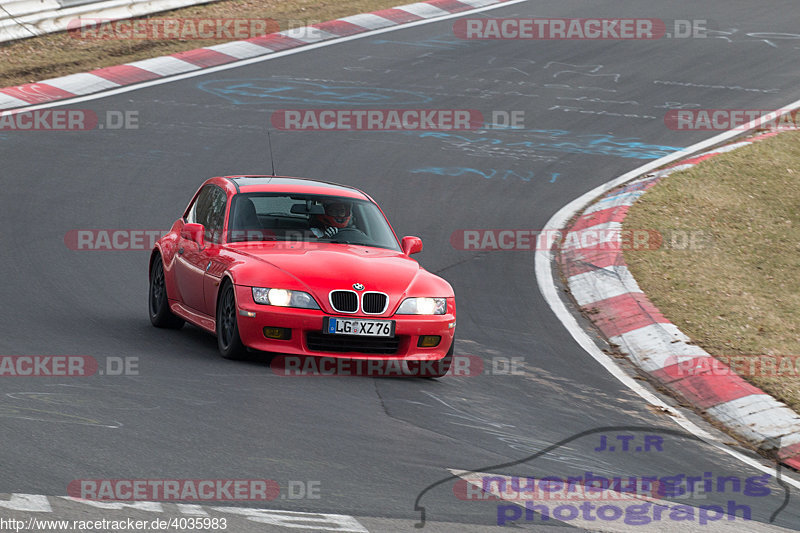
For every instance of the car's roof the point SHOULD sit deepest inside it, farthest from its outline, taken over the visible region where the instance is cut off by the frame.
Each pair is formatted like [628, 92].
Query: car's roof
[246, 184]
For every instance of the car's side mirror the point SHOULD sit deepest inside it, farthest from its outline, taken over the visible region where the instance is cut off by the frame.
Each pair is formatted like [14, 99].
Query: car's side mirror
[411, 245]
[194, 232]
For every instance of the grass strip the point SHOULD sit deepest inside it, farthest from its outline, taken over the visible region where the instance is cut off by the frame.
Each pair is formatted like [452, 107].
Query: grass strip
[734, 289]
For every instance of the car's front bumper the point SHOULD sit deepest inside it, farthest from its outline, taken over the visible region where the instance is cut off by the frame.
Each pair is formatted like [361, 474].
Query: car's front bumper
[305, 323]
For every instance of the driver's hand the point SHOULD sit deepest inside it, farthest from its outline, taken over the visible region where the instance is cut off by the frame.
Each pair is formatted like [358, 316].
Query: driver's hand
[317, 232]
[331, 231]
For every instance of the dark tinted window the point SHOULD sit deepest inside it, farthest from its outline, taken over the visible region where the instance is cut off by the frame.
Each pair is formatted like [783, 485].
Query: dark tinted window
[198, 213]
[209, 210]
[216, 215]
[293, 217]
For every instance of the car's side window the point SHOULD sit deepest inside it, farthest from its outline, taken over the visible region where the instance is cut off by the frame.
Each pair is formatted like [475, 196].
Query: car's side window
[209, 210]
[216, 215]
[198, 213]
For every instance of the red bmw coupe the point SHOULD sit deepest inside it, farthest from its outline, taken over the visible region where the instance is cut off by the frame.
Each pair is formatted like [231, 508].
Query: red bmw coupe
[300, 267]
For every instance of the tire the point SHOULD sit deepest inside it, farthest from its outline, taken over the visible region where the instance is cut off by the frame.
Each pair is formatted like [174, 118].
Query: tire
[158, 304]
[443, 365]
[228, 340]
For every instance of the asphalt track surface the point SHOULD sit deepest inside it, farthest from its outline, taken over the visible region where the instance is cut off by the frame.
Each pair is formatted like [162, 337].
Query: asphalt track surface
[372, 445]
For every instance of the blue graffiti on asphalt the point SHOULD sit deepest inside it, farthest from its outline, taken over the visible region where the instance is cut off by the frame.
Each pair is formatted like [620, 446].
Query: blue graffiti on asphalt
[528, 141]
[487, 174]
[284, 91]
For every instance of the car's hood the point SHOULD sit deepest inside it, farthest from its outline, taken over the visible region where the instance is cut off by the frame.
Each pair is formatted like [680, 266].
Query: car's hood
[324, 267]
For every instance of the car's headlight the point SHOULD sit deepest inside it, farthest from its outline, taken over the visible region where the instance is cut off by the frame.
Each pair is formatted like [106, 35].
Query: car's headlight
[284, 298]
[423, 306]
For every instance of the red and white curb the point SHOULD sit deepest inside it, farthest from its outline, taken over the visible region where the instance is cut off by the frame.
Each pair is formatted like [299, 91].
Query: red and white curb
[160, 67]
[600, 283]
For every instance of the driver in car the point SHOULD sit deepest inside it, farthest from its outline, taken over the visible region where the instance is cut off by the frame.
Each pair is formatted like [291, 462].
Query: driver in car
[337, 216]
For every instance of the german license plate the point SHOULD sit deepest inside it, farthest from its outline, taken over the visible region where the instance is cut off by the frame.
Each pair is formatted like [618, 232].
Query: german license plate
[358, 326]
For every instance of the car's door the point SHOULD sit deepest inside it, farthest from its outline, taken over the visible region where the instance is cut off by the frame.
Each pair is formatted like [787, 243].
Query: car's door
[191, 260]
[215, 263]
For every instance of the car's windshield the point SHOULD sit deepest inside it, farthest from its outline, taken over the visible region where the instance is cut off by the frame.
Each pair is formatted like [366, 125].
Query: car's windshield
[308, 218]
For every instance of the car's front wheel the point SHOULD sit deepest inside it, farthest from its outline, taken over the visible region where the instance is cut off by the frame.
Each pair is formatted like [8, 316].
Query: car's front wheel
[160, 314]
[228, 340]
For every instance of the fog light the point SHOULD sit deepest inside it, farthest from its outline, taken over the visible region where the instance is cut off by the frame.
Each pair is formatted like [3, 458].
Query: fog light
[428, 341]
[282, 334]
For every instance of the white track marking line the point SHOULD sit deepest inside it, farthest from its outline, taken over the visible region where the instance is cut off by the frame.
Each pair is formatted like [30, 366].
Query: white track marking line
[422, 9]
[238, 49]
[308, 34]
[7, 98]
[368, 20]
[76, 83]
[544, 278]
[163, 66]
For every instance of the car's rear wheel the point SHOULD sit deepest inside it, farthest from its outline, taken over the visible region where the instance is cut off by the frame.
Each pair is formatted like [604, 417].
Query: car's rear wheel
[228, 340]
[160, 314]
